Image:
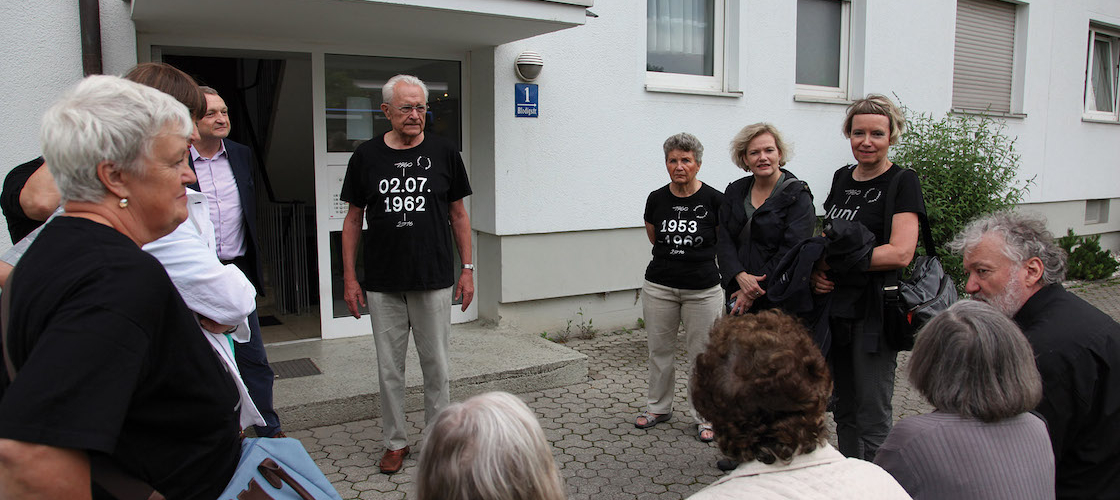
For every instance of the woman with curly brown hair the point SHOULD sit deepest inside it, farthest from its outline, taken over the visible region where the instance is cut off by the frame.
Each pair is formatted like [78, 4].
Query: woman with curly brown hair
[764, 385]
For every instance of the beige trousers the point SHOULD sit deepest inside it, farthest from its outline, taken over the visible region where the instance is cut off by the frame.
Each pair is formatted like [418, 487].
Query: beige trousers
[427, 313]
[664, 309]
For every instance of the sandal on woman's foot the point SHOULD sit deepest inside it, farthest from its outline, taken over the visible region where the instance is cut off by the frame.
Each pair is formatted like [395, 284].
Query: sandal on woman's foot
[701, 429]
[651, 419]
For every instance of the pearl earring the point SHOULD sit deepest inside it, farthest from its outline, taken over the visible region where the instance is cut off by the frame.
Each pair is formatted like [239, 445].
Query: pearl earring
[123, 203]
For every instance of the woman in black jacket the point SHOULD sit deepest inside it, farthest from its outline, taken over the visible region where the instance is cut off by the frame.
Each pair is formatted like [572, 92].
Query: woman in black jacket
[763, 215]
[863, 364]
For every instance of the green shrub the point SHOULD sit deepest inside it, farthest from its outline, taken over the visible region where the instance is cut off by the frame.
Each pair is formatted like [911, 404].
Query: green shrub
[1087, 260]
[967, 165]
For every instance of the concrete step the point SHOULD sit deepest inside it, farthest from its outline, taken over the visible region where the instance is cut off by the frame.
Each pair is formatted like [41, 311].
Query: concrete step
[482, 359]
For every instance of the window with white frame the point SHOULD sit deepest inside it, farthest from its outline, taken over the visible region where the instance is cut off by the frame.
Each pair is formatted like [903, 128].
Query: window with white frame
[1101, 74]
[823, 41]
[984, 56]
[685, 45]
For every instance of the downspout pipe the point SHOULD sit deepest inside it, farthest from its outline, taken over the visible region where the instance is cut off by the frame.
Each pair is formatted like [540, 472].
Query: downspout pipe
[89, 14]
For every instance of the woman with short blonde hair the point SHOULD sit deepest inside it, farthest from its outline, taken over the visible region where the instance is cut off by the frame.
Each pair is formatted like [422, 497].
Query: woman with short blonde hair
[863, 363]
[763, 216]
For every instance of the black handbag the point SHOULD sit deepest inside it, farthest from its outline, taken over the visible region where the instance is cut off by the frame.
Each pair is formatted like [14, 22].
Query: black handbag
[908, 304]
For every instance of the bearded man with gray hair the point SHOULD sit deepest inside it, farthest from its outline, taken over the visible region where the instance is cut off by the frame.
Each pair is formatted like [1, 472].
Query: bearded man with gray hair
[1014, 264]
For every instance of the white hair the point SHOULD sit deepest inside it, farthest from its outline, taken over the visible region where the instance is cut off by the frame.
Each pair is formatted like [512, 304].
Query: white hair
[489, 447]
[105, 118]
[390, 87]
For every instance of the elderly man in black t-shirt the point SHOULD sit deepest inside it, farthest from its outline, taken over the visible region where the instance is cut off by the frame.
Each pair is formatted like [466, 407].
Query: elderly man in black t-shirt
[1014, 265]
[408, 185]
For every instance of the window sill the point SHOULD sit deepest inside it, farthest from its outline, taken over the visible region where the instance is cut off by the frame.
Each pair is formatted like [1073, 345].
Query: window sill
[692, 91]
[821, 100]
[998, 114]
[1090, 119]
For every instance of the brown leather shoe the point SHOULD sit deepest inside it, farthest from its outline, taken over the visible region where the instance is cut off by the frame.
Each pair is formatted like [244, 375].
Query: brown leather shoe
[393, 460]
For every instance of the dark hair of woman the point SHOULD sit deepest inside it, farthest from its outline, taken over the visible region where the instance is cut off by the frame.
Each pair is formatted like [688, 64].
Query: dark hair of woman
[172, 81]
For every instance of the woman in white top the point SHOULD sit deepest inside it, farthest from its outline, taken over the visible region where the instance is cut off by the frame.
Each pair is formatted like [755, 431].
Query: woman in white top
[764, 385]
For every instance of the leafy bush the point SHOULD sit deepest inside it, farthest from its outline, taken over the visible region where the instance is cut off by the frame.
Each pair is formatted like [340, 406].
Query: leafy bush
[1087, 260]
[967, 165]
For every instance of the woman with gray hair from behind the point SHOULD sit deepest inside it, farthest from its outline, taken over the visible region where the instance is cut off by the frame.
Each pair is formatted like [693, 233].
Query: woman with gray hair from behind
[489, 447]
[975, 367]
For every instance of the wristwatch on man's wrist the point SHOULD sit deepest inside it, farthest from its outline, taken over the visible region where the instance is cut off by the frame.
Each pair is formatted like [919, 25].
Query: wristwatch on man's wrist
[468, 266]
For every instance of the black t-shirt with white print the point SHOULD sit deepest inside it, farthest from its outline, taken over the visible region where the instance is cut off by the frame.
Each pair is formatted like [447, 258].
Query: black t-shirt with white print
[406, 194]
[864, 201]
[684, 251]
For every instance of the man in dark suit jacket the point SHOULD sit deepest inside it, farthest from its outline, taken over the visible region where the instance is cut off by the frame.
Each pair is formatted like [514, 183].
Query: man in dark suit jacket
[225, 176]
[1014, 264]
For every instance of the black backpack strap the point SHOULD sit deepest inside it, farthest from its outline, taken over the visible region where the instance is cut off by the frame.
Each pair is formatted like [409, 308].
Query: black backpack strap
[890, 278]
[745, 233]
[5, 308]
[788, 180]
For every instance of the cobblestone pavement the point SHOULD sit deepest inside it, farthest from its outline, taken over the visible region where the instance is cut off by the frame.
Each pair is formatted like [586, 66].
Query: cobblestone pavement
[1104, 294]
[590, 425]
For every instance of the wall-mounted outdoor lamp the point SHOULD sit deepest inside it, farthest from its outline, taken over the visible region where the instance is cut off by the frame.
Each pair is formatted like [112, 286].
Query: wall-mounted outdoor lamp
[528, 65]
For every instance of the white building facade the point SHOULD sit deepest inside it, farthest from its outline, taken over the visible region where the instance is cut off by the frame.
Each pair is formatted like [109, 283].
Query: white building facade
[558, 198]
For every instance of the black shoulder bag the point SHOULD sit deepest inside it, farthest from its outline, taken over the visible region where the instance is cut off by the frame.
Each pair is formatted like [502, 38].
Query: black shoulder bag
[910, 303]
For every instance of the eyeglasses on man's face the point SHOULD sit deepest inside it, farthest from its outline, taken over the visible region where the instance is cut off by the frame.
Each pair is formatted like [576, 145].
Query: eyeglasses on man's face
[408, 109]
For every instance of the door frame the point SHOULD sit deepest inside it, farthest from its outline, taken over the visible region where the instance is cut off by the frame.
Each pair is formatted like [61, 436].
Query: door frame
[150, 48]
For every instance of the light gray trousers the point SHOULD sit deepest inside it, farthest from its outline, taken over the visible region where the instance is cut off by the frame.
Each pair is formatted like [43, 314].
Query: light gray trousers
[427, 313]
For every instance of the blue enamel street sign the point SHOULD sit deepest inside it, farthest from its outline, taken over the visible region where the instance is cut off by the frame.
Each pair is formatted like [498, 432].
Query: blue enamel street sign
[525, 100]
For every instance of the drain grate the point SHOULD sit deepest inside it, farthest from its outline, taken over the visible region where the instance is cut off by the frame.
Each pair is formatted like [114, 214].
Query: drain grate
[293, 368]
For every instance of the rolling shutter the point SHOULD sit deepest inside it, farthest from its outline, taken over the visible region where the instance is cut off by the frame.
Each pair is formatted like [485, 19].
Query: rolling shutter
[983, 56]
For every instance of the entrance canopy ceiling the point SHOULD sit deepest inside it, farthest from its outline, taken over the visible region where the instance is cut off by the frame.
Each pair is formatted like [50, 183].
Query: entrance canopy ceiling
[446, 24]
